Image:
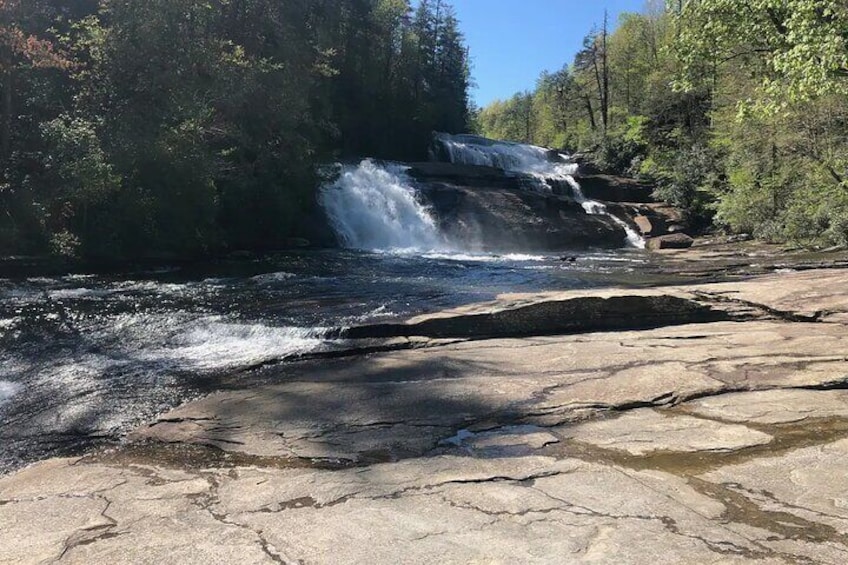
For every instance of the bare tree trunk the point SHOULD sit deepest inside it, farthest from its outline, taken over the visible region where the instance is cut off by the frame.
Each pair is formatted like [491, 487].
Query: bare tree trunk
[599, 82]
[605, 70]
[6, 126]
[590, 111]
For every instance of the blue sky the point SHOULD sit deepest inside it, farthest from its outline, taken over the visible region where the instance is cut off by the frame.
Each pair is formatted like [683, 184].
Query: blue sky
[512, 41]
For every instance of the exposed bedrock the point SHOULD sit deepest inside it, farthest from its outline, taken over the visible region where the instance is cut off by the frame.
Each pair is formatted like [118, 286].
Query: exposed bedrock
[718, 440]
[781, 332]
[486, 209]
[493, 209]
[518, 220]
[556, 317]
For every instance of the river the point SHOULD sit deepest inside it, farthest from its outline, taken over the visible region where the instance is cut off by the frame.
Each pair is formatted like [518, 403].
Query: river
[85, 358]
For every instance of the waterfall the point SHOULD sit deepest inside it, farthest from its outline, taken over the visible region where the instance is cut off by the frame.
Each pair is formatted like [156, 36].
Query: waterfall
[544, 166]
[374, 206]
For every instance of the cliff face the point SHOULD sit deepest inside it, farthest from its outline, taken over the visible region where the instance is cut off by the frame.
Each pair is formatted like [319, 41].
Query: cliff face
[514, 196]
[494, 210]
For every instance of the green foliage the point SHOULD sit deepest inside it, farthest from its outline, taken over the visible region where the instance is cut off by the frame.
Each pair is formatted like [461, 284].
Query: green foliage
[83, 184]
[512, 119]
[622, 150]
[689, 179]
[801, 43]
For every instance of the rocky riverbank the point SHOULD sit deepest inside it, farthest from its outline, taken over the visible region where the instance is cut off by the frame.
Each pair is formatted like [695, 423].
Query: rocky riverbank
[687, 424]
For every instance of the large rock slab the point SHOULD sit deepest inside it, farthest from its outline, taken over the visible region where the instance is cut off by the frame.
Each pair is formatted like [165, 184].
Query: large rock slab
[773, 406]
[808, 483]
[643, 431]
[604, 311]
[611, 188]
[719, 441]
[403, 403]
[527, 510]
[517, 219]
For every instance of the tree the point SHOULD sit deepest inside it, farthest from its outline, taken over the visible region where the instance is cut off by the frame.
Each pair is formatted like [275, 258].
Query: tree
[592, 62]
[803, 45]
[19, 51]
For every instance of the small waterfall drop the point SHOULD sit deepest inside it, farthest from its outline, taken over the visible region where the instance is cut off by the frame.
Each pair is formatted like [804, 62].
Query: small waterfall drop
[374, 206]
[596, 208]
[545, 166]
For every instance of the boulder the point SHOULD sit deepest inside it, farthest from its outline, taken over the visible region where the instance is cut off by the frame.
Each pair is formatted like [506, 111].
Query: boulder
[671, 241]
[646, 227]
[585, 164]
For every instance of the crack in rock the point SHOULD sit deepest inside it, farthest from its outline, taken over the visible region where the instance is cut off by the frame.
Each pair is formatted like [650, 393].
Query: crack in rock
[207, 500]
[785, 315]
[92, 534]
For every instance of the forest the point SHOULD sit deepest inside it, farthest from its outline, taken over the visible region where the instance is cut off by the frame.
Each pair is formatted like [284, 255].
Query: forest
[736, 111]
[183, 128]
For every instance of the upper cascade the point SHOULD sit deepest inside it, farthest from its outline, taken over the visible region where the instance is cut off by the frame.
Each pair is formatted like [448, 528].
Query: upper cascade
[374, 206]
[543, 164]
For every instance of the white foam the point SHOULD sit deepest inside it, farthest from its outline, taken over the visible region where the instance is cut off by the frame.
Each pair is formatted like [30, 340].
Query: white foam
[267, 278]
[506, 155]
[213, 343]
[375, 207]
[7, 391]
[77, 293]
[379, 312]
[483, 257]
[541, 164]
[523, 257]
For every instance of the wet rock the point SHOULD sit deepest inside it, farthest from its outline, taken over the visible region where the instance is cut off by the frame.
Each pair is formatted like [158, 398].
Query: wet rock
[502, 441]
[464, 175]
[516, 219]
[808, 483]
[554, 317]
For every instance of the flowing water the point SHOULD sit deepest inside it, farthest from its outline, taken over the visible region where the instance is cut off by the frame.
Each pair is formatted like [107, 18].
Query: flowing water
[374, 206]
[86, 358]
